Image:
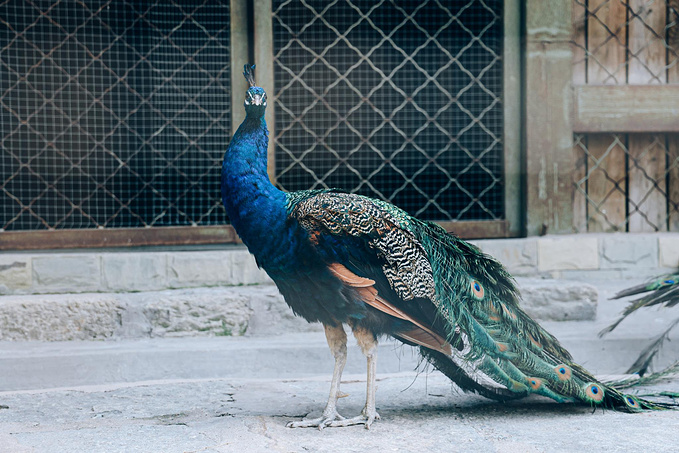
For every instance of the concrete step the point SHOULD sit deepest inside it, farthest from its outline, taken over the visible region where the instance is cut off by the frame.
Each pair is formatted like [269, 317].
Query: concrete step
[218, 311]
[41, 365]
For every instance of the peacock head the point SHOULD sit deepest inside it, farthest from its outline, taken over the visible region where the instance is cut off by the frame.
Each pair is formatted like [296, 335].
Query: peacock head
[255, 97]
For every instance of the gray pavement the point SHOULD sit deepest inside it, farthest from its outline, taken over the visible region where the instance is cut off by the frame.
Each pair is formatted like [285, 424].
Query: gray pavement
[236, 394]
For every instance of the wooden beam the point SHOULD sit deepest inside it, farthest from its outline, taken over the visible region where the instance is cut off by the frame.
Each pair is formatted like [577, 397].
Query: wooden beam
[548, 133]
[174, 236]
[239, 58]
[479, 229]
[512, 116]
[264, 59]
[117, 237]
[626, 108]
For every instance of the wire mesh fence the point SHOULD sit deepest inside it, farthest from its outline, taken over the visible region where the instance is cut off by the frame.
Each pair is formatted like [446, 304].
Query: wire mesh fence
[112, 113]
[626, 41]
[400, 100]
[626, 182]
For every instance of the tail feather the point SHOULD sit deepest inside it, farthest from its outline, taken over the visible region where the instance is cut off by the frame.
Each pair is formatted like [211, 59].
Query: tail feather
[661, 290]
[505, 354]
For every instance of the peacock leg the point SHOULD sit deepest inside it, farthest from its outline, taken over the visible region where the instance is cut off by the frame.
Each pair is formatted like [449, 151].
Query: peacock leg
[368, 344]
[337, 340]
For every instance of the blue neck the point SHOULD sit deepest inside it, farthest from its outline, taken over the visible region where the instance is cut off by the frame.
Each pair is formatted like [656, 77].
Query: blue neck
[256, 208]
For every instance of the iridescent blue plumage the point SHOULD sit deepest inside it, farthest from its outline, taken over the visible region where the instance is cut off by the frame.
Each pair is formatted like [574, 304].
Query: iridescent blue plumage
[341, 258]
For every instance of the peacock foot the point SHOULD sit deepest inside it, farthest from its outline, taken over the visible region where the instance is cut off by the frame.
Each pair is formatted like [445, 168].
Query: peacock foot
[329, 417]
[366, 418]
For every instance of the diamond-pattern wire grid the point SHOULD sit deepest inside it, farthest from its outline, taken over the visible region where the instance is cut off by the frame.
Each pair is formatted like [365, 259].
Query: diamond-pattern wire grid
[626, 41]
[112, 113]
[627, 191]
[399, 100]
[626, 182]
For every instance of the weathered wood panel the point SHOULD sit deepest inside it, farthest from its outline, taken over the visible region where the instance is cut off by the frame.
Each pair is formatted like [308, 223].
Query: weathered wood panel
[606, 184]
[646, 188]
[673, 190]
[549, 133]
[647, 53]
[580, 185]
[647, 207]
[607, 34]
[607, 52]
[672, 37]
[627, 108]
[579, 18]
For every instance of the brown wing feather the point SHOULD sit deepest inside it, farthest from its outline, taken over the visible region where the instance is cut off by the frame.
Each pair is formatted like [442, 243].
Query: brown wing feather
[419, 334]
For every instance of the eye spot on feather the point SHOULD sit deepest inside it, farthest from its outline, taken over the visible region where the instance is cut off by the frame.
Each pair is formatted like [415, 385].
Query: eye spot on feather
[631, 402]
[669, 282]
[563, 372]
[594, 392]
[535, 383]
[477, 289]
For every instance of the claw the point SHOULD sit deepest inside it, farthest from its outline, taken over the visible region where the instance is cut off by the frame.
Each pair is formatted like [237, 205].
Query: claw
[366, 418]
[325, 420]
[335, 420]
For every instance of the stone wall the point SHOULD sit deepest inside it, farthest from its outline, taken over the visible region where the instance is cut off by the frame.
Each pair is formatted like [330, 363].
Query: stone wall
[126, 271]
[563, 256]
[583, 256]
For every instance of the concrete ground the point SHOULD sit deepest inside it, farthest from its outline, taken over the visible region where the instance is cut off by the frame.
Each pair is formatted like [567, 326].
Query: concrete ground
[236, 394]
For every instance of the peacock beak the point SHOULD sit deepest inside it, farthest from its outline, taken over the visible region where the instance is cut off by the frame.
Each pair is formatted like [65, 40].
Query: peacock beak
[257, 100]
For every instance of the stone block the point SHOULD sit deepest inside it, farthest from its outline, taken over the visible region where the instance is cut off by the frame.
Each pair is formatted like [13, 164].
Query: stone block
[245, 271]
[668, 245]
[67, 272]
[190, 269]
[59, 317]
[134, 271]
[628, 250]
[271, 315]
[568, 252]
[15, 273]
[520, 256]
[558, 300]
[219, 312]
[92, 316]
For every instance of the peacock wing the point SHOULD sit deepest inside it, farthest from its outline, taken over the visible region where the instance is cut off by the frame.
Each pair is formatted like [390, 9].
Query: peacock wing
[458, 302]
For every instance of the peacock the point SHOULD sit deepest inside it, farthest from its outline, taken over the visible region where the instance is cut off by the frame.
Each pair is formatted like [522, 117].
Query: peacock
[661, 290]
[345, 259]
